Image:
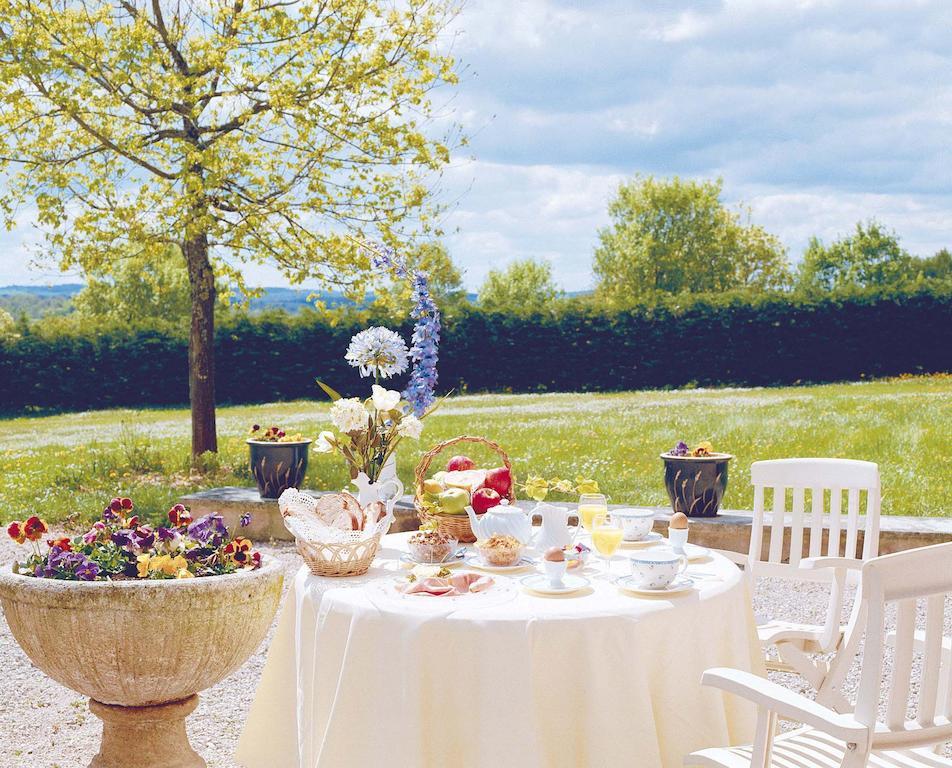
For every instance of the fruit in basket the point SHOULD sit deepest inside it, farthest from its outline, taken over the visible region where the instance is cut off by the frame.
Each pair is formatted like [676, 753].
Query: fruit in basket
[468, 480]
[440, 477]
[432, 486]
[453, 501]
[499, 479]
[460, 464]
[485, 499]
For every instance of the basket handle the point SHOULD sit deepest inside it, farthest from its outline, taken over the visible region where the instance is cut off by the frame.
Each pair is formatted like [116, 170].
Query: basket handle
[424, 466]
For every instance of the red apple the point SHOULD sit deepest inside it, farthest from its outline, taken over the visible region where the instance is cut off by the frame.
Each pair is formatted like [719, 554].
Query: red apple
[484, 499]
[460, 463]
[500, 480]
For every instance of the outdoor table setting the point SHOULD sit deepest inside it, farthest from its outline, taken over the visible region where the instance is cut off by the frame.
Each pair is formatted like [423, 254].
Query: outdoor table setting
[575, 659]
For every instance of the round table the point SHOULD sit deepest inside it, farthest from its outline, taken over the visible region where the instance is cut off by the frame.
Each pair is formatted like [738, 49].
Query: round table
[601, 678]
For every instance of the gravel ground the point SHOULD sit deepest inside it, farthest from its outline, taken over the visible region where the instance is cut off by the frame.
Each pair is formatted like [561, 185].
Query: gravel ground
[43, 725]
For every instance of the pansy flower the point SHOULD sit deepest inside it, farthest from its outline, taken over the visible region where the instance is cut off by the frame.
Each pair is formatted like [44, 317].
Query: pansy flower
[34, 528]
[63, 543]
[179, 516]
[15, 531]
[87, 570]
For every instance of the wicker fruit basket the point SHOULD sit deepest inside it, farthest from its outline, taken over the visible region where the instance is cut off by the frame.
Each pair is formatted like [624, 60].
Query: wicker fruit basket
[456, 526]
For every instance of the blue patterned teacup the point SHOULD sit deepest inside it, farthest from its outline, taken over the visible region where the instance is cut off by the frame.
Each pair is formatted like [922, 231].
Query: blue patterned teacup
[657, 569]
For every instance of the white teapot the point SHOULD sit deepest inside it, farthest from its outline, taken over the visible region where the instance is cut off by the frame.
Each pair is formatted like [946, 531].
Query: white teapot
[504, 519]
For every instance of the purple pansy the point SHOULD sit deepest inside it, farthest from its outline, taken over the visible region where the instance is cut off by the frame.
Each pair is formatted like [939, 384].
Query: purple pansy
[681, 449]
[87, 570]
[209, 530]
[245, 520]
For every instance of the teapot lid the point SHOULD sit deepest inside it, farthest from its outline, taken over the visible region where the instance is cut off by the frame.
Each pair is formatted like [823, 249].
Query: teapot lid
[504, 507]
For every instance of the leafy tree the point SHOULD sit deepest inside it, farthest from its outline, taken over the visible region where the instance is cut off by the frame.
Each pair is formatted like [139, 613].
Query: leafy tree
[672, 236]
[140, 288]
[870, 257]
[936, 267]
[523, 288]
[282, 132]
[8, 326]
[446, 281]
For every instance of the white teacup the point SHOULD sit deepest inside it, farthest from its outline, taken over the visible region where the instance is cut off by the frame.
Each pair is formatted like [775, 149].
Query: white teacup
[656, 569]
[636, 524]
[555, 572]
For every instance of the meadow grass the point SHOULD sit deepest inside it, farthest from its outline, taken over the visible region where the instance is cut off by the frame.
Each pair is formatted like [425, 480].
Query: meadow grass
[67, 466]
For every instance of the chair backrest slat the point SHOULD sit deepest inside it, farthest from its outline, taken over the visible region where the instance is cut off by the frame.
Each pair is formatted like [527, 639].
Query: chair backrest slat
[852, 524]
[902, 664]
[816, 522]
[836, 504]
[796, 525]
[871, 535]
[931, 661]
[777, 525]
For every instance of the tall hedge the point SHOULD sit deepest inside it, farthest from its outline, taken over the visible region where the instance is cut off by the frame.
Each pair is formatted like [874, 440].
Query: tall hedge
[721, 340]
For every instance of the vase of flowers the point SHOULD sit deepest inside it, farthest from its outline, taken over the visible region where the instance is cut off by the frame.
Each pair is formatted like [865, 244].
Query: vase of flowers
[140, 619]
[695, 479]
[278, 459]
[369, 431]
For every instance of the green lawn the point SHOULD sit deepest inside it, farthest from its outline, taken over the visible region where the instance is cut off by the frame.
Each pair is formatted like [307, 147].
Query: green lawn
[66, 466]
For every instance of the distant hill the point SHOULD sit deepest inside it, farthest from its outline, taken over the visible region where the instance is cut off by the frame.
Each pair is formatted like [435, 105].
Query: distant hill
[37, 301]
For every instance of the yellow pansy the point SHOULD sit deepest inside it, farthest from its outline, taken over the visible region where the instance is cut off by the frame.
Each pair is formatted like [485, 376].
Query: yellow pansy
[184, 573]
[142, 565]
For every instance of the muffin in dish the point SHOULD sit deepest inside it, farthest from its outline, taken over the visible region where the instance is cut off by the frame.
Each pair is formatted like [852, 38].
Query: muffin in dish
[500, 551]
[431, 546]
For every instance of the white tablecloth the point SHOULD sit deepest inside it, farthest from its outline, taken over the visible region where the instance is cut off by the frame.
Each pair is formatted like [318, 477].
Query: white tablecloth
[600, 679]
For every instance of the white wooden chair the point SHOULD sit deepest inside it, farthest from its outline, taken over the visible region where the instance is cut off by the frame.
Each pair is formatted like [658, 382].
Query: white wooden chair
[858, 738]
[826, 544]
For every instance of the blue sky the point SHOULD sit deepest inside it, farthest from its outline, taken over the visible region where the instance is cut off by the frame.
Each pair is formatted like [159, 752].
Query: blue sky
[816, 114]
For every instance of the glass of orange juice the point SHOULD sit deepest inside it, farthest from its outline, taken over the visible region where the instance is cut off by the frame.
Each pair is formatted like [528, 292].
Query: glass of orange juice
[606, 536]
[589, 505]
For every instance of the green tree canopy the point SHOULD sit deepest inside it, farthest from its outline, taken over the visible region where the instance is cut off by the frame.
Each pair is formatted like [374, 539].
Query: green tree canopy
[870, 257]
[936, 267]
[8, 326]
[525, 287]
[282, 132]
[671, 236]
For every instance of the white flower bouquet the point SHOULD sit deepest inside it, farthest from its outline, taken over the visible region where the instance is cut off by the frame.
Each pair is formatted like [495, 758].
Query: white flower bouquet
[369, 431]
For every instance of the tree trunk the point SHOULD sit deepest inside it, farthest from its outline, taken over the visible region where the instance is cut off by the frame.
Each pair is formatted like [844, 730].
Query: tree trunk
[201, 346]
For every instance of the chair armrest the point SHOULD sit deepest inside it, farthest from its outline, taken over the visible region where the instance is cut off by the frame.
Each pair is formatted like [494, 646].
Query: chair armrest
[846, 563]
[776, 698]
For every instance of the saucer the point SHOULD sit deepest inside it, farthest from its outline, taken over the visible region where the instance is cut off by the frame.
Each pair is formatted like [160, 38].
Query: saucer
[652, 538]
[676, 587]
[475, 561]
[407, 559]
[539, 583]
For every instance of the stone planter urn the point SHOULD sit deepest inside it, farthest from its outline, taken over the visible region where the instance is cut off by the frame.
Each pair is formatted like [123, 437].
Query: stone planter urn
[142, 650]
[277, 466]
[696, 484]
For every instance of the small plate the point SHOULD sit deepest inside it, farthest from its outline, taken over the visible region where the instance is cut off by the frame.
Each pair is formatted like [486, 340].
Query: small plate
[652, 538]
[407, 559]
[676, 587]
[475, 561]
[539, 583]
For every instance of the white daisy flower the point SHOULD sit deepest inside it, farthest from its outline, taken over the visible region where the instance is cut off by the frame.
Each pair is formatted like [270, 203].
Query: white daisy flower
[378, 351]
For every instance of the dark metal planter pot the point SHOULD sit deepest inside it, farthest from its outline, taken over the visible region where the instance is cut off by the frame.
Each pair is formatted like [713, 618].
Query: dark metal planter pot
[696, 485]
[278, 466]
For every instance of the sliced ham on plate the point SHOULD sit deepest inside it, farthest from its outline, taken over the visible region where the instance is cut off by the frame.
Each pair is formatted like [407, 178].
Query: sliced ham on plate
[459, 584]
